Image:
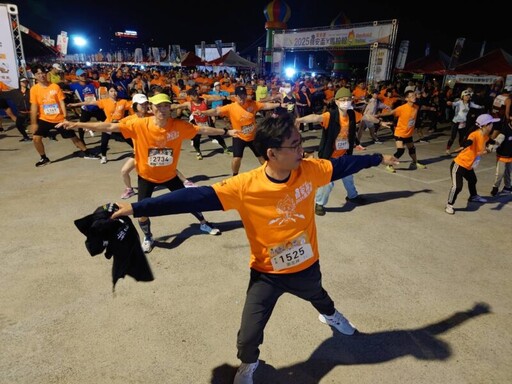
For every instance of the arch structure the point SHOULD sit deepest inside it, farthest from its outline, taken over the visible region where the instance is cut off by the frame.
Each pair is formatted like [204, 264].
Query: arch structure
[11, 46]
[378, 37]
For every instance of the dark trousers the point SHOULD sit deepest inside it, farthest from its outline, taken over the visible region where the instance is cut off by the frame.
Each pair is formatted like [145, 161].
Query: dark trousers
[455, 130]
[262, 294]
[86, 116]
[105, 138]
[146, 188]
[459, 173]
[22, 120]
[196, 141]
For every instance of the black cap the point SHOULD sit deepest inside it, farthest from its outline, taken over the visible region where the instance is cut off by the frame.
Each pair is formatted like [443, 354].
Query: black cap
[241, 90]
[192, 92]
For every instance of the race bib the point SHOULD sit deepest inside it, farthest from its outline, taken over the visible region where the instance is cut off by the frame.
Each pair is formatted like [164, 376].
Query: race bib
[476, 162]
[247, 129]
[290, 253]
[160, 157]
[51, 109]
[89, 98]
[341, 144]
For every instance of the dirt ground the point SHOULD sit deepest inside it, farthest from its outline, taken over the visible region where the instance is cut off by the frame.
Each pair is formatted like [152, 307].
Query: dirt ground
[430, 293]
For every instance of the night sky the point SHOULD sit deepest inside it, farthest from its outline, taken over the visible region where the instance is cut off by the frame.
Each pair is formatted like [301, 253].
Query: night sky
[243, 22]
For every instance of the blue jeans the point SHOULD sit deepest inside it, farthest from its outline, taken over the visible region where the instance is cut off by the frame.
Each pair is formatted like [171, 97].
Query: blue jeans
[322, 194]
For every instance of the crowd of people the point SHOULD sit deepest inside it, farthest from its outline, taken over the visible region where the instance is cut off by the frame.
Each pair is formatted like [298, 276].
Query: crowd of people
[155, 111]
[411, 111]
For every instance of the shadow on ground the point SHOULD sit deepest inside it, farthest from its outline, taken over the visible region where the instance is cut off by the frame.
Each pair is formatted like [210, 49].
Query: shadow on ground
[361, 348]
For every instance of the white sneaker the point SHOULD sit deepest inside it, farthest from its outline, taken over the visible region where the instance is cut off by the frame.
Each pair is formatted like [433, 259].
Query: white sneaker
[477, 199]
[449, 209]
[209, 229]
[339, 322]
[103, 160]
[215, 141]
[147, 245]
[245, 372]
[189, 184]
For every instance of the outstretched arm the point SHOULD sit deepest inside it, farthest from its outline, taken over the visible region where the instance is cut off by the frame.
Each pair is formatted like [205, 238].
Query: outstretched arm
[92, 126]
[200, 199]
[312, 118]
[348, 164]
[81, 103]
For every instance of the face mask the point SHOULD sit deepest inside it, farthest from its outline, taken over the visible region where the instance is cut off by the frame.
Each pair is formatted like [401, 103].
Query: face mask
[344, 105]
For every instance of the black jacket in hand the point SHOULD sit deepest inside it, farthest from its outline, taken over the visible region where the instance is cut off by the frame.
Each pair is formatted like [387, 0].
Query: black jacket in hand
[118, 238]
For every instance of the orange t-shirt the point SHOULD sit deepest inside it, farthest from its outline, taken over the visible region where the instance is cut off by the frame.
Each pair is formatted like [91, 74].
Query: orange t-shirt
[228, 88]
[242, 117]
[406, 120]
[467, 156]
[329, 94]
[180, 94]
[158, 81]
[389, 101]
[278, 217]
[359, 94]
[157, 150]
[4, 87]
[49, 101]
[341, 144]
[114, 110]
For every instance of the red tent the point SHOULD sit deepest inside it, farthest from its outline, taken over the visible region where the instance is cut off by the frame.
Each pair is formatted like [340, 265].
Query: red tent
[435, 64]
[190, 59]
[497, 63]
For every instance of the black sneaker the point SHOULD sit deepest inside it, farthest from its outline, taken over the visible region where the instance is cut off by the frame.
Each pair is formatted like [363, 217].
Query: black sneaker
[494, 191]
[506, 190]
[26, 139]
[319, 210]
[359, 200]
[90, 155]
[42, 161]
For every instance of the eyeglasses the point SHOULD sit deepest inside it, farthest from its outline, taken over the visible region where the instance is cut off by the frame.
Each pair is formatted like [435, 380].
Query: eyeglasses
[294, 147]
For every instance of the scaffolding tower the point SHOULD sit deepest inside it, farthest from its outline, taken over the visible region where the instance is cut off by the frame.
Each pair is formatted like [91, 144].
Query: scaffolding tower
[12, 11]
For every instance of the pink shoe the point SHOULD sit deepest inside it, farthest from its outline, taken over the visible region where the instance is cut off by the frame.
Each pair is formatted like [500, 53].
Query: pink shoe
[359, 147]
[128, 192]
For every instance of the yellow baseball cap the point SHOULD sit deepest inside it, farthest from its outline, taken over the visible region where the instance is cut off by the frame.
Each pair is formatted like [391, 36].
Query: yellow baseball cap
[160, 98]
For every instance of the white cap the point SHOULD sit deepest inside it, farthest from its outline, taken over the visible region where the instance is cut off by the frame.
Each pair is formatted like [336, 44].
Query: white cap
[139, 98]
[216, 83]
[57, 67]
[485, 119]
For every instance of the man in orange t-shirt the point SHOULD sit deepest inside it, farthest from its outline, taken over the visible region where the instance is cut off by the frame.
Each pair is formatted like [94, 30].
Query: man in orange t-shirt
[242, 115]
[338, 139]
[157, 142]
[275, 202]
[47, 110]
[406, 114]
